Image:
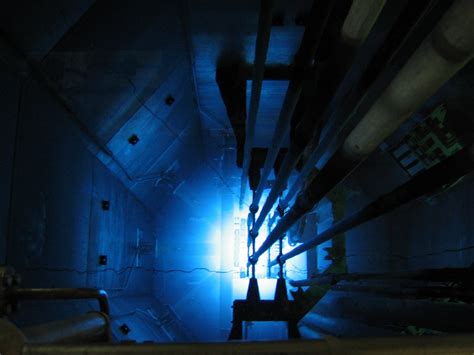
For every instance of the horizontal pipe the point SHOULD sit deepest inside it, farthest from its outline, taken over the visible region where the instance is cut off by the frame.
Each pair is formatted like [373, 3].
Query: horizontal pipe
[448, 48]
[426, 182]
[312, 35]
[89, 327]
[261, 49]
[381, 311]
[436, 275]
[400, 292]
[61, 293]
[443, 344]
[367, 11]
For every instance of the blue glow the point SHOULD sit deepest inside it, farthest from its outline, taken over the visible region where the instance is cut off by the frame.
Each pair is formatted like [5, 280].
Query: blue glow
[265, 331]
[265, 286]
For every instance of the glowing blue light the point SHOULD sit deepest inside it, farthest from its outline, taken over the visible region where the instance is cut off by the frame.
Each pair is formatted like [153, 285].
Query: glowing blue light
[265, 286]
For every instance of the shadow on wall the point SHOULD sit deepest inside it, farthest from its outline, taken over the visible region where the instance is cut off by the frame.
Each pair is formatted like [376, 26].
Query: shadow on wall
[59, 226]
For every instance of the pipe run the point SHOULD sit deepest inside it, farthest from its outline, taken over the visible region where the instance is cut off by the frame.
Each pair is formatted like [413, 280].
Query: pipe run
[426, 182]
[61, 293]
[337, 168]
[355, 30]
[442, 54]
[400, 292]
[289, 163]
[435, 275]
[380, 59]
[360, 20]
[261, 48]
[318, 17]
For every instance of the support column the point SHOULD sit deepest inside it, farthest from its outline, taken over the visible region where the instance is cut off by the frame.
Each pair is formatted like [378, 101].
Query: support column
[226, 241]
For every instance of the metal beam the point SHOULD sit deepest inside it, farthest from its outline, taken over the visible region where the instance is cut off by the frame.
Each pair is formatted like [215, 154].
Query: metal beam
[426, 182]
[261, 48]
[401, 292]
[265, 310]
[320, 12]
[440, 56]
[379, 59]
[355, 29]
[436, 275]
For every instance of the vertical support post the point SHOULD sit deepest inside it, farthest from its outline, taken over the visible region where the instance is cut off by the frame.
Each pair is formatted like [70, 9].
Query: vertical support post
[446, 50]
[226, 238]
[261, 48]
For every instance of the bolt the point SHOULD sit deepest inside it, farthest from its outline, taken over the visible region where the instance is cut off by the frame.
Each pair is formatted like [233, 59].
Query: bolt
[169, 100]
[253, 208]
[133, 139]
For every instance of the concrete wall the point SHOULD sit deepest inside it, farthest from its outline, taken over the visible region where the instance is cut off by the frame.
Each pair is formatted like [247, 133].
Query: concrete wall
[58, 227]
[189, 235]
[147, 318]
